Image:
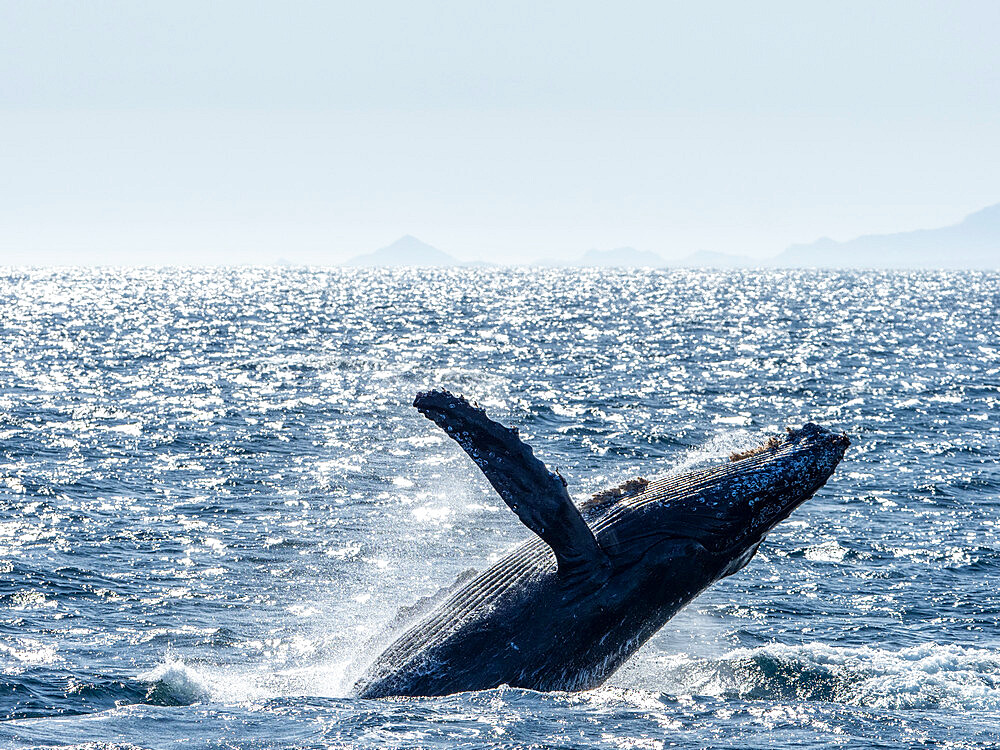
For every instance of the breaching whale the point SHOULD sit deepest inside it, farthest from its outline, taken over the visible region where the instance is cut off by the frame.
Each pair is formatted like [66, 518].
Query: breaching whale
[565, 610]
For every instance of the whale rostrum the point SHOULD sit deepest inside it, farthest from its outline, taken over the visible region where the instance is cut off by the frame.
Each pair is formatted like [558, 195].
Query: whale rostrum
[566, 609]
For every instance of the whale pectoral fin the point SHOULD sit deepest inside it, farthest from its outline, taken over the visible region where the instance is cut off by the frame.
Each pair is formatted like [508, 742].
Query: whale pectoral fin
[534, 493]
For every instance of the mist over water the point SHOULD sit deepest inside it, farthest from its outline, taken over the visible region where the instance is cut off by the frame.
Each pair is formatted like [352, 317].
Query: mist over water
[215, 496]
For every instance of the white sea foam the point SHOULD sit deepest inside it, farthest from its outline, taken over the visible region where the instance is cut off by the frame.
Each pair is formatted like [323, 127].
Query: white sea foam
[176, 682]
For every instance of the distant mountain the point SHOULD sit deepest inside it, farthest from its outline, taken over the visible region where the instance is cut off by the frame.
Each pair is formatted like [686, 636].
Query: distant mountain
[972, 243]
[406, 251]
[621, 257]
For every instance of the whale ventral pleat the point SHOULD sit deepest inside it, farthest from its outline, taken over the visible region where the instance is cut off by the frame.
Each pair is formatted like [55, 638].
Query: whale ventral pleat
[626, 489]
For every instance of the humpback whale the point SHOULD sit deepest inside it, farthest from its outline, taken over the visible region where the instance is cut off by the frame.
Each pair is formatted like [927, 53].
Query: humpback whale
[566, 609]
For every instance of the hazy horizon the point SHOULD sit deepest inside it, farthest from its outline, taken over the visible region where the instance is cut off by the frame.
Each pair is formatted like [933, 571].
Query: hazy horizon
[236, 133]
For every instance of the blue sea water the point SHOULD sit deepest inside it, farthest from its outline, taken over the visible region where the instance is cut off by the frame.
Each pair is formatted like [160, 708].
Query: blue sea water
[215, 495]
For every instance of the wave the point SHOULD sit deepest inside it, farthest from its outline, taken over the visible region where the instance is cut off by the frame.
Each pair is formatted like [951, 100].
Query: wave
[926, 676]
[174, 683]
[48, 692]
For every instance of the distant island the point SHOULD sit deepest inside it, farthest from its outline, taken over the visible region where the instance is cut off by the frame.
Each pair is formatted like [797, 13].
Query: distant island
[973, 243]
[406, 251]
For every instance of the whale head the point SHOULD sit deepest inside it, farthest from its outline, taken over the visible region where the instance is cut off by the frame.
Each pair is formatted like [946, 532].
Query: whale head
[768, 485]
[715, 519]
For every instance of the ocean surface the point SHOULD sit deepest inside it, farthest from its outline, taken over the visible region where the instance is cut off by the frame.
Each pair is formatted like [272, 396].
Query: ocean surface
[215, 496]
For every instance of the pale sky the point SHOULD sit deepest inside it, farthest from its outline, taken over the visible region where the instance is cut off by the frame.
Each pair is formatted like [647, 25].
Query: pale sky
[243, 132]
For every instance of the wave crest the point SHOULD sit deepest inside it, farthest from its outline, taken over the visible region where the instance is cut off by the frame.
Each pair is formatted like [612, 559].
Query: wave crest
[174, 683]
[925, 676]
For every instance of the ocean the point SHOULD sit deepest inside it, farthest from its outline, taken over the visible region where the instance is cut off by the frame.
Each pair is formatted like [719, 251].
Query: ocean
[215, 496]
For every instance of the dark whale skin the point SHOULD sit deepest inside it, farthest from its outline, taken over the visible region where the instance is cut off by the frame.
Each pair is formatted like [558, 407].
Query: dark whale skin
[524, 622]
